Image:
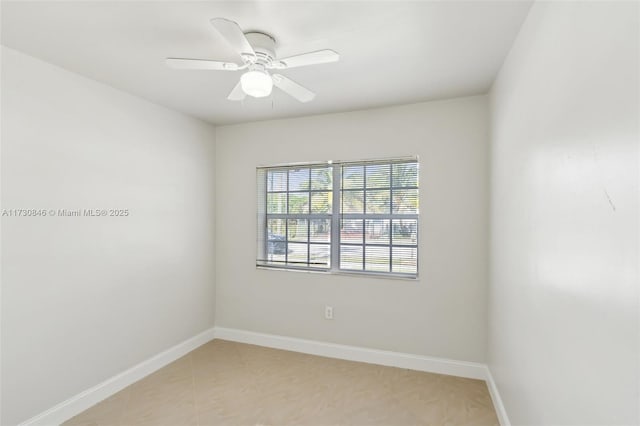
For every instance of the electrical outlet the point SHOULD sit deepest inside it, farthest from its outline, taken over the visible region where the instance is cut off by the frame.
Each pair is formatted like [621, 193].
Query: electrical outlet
[328, 312]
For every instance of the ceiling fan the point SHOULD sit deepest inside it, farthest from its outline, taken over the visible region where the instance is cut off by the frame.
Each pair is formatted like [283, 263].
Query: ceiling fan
[257, 51]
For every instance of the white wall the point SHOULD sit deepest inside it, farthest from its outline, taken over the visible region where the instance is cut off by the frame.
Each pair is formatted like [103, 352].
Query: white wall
[563, 344]
[443, 313]
[85, 298]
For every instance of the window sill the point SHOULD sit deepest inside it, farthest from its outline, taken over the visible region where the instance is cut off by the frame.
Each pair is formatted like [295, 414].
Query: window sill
[378, 275]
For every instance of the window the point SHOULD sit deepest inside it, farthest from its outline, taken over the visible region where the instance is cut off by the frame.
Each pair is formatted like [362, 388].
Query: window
[297, 216]
[369, 226]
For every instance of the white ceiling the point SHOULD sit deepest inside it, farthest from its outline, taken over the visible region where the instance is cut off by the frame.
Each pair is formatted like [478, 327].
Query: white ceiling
[391, 52]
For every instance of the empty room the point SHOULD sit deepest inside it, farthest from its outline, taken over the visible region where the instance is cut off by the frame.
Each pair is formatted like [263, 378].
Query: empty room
[320, 213]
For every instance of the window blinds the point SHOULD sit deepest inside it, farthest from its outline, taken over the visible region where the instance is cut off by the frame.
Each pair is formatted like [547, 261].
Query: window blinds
[346, 216]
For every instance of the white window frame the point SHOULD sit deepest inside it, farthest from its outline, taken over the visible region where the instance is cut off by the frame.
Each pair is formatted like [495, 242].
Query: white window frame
[335, 217]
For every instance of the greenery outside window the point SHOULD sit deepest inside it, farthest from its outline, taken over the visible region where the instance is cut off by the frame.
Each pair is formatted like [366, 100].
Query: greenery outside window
[357, 217]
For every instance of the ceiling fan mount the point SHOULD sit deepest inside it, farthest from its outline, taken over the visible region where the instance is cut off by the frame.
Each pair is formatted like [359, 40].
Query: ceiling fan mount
[257, 51]
[264, 47]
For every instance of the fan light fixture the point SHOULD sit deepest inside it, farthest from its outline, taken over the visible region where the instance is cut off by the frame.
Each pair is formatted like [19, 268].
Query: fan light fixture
[258, 53]
[256, 83]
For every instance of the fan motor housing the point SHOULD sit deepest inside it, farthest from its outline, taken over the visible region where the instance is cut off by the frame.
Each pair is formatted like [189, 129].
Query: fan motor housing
[264, 45]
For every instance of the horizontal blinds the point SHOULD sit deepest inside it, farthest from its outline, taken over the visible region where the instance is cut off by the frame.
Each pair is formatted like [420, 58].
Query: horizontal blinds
[363, 215]
[295, 204]
[379, 217]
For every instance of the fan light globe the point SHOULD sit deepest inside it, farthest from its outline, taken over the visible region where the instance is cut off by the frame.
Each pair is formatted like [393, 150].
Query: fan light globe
[256, 83]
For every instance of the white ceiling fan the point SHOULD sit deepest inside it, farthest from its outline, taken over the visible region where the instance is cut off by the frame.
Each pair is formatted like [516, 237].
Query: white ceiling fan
[257, 51]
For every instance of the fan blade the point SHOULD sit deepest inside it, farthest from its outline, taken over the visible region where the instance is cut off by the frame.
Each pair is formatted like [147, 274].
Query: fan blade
[292, 88]
[237, 94]
[234, 36]
[311, 58]
[201, 64]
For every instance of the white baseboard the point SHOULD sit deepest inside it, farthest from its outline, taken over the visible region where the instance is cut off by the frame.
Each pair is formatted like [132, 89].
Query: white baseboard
[470, 370]
[497, 400]
[77, 404]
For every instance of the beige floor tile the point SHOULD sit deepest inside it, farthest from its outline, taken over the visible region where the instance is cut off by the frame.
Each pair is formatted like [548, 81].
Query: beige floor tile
[227, 383]
[105, 413]
[385, 413]
[234, 412]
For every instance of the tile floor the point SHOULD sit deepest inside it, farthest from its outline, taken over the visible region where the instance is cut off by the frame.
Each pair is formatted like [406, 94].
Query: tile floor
[227, 383]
